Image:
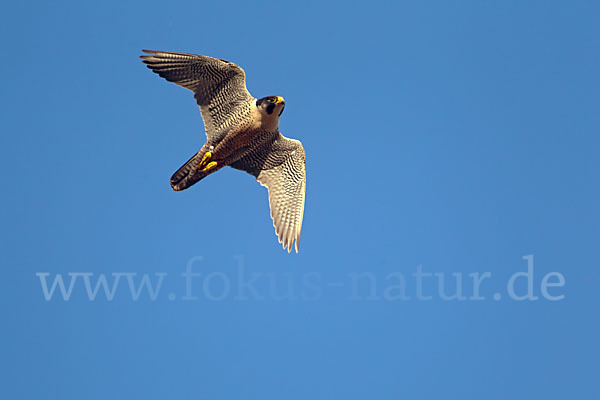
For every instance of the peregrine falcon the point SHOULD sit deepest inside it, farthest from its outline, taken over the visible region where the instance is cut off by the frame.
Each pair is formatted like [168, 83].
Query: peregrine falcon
[242, 132]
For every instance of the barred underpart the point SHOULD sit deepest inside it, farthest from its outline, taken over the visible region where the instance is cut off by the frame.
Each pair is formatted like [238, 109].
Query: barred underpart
[236, 137]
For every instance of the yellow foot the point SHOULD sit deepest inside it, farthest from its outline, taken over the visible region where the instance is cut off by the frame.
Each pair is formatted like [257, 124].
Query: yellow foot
[205, 159]
[209, 166]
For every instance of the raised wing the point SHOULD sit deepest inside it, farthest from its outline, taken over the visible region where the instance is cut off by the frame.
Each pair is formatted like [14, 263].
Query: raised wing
[281, 167]
[219, 86]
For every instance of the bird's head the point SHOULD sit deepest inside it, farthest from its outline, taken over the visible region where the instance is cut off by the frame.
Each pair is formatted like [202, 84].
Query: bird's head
[271, 105]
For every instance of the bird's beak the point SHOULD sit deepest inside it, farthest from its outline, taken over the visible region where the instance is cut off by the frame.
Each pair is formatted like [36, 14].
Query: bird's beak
[279, 100]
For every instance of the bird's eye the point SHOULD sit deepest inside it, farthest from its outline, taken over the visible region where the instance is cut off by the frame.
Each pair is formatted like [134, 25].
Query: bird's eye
[273, 99]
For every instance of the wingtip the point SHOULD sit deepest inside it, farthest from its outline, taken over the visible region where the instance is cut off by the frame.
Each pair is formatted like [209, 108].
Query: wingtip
[149, 54]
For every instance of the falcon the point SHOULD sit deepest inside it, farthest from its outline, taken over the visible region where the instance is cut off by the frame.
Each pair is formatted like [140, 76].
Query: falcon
[242, 132]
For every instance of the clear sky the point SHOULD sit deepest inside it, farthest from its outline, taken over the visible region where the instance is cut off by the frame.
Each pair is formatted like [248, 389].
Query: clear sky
[457, 139]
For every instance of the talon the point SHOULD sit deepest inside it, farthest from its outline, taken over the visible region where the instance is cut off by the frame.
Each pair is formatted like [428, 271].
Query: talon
[205, 158]
[210, 165]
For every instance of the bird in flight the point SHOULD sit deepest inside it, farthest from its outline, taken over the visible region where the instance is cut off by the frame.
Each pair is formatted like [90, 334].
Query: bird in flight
[242, 132]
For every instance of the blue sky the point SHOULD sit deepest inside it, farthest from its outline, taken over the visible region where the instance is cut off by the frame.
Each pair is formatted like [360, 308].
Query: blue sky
[455, 136]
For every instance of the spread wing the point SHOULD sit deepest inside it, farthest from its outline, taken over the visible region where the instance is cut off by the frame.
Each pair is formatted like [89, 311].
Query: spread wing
[281, 166]
[219, 86]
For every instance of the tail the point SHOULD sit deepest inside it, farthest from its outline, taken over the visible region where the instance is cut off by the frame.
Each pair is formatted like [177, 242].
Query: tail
[189, 173]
